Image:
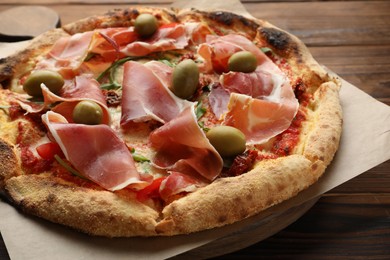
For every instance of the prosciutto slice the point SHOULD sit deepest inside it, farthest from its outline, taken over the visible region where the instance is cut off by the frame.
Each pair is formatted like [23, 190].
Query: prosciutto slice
[262, 104]
[105, 161]
[81, 88]
[67, 54]
[177, 183]
[218, 49]
[146, 95]
[183, 147]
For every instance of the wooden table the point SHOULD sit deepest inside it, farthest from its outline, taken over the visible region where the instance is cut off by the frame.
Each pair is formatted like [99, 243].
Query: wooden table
[351, 38]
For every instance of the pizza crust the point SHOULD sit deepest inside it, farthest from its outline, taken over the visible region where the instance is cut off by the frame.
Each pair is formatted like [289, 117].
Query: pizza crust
[224, 201]
[96, 212]
[15, 66]
[228, 200]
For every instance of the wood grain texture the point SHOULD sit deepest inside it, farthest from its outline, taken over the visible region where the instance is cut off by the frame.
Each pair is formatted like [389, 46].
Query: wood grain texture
[352, 38]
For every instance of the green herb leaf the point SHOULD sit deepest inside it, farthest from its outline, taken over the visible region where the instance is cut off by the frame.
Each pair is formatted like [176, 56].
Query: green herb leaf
[266, 49]
[200, 111]
[89, 56]
[68, 167]
[167, 62]
[138, 157]
[201, 125]
[112, 70]
[109, 86]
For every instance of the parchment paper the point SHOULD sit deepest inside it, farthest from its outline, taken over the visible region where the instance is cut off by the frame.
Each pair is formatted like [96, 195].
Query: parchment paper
[364, 144]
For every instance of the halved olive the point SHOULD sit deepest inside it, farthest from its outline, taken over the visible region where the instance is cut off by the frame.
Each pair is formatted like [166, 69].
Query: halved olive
[228, 141]
[185, 79]
[88, 113]
[242, 61]
[53, 80]
[145, 25]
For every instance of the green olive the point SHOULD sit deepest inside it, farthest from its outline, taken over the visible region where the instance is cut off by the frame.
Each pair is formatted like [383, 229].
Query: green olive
[185, 79]
[227, 140]
[88, 113]
[53, 80]
[145, 25]
[242, 61]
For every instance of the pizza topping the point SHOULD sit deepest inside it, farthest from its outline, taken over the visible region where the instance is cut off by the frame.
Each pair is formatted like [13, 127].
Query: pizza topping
[241, 164]
[183, 147]
[166, 38]
[261, 103]
[227, 140]
[146, 95]
[87, 112]
[259, 119]
[48, 150]
[217, 51]
[185, 79]
[51, 79]
[242, 61]
[152, 191]
[177, 183]
[145, 25]
[106, 161]
[67, 54]
[218, 99]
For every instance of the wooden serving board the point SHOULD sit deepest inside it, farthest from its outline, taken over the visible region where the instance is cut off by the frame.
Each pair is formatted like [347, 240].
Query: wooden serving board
[25, 22]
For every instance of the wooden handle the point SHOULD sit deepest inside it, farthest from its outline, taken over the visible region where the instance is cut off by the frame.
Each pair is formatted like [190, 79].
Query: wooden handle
[26, 22]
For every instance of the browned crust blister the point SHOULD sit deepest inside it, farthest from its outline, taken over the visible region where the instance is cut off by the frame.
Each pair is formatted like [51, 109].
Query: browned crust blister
[224, 201]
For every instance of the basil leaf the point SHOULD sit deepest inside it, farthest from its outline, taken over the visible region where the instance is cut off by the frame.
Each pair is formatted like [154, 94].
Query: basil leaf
[266, 49]
[200, 111]
[112, 70]
[68, 167]
[138, 157]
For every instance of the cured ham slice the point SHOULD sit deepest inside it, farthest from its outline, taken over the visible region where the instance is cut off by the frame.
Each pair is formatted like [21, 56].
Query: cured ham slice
[67, 54]
[105, 161]
[120, 42]
[263, 105]
[218, 49]
[81, 88]
[177, 183]
[259, 119]
[183, 147]
[146, 95]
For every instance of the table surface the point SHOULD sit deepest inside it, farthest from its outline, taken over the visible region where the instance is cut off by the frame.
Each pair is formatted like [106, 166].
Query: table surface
[352, 38]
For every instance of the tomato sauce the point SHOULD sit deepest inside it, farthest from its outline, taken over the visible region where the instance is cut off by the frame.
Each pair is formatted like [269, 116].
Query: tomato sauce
[287, 140]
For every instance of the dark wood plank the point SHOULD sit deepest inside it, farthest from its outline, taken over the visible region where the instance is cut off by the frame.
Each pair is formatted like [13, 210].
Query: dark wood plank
[377, 180]
[366, 67]
[340, 227]
[330, 23]
[318, 24]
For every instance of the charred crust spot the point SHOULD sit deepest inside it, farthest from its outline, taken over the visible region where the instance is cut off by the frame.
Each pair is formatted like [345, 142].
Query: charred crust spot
[314, 166]
[280, 40]
[222, 219]
[222, 17]
[249, 197]
[243, 213]
[237, 200]
[51, 198]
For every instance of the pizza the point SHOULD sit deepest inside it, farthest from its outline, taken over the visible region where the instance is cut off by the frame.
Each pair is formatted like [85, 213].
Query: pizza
[157, 122]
